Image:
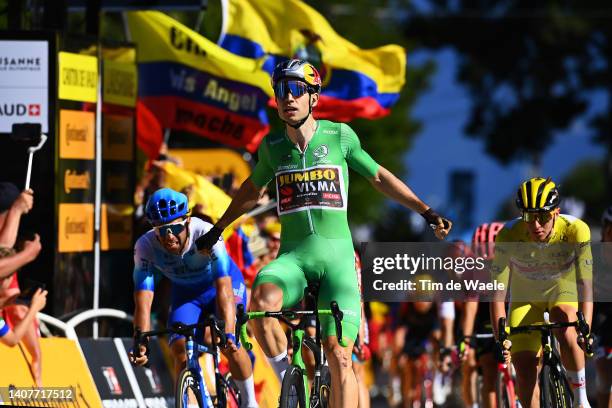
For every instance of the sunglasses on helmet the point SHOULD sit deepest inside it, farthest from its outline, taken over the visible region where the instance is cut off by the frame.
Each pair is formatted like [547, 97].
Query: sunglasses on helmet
[541, 217]
[297, 88]
[175, 228]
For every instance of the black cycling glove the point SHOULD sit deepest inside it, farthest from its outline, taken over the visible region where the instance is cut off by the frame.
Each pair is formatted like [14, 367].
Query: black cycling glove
[208, 240]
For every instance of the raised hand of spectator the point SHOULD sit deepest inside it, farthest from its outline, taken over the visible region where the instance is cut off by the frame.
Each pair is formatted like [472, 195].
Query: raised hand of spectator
[24, 202]
[32, 247]
[39, 300]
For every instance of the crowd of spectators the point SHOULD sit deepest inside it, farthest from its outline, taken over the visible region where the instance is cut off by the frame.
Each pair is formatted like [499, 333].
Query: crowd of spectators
[18, 308]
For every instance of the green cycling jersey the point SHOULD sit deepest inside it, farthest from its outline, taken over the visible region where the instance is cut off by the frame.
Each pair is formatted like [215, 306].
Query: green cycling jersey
[312, 201]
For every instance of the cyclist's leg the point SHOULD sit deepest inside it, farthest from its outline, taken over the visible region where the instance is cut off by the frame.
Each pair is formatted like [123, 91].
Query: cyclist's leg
[604, 378]
[488, 365]
[469, 374]
[364, 393]
[307, 355]
[525, 348]
[394, 354]
[415, 348]
[572, 355]
[339, 282]
[239, 362]
[280, 284]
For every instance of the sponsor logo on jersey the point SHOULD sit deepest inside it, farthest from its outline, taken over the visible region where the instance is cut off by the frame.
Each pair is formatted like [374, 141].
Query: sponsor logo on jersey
[314, 187]
[320, 151]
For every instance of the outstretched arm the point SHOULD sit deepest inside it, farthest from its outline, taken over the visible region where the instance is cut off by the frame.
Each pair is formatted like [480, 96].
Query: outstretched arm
[385, 182]
[245, 199]
[394, 188]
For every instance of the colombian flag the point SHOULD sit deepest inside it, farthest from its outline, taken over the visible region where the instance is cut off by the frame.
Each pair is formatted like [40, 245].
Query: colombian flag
[189, 83]
[356, 83]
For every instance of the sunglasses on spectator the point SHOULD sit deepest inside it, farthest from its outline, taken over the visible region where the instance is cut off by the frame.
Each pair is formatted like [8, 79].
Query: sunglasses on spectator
[541, 217]
[297, 88]
[175, 228]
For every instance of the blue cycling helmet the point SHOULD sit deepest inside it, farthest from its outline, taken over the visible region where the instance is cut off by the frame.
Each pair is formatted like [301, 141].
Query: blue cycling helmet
[166, 205]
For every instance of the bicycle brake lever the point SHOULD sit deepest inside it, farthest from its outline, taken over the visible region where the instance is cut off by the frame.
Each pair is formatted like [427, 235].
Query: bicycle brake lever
[218, 326]
[138, 341]
[338, 315]
[585, 332]
[501, 329]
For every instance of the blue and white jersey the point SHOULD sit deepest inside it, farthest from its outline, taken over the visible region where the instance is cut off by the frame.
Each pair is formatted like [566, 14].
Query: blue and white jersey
[190, 269]
[4, 328]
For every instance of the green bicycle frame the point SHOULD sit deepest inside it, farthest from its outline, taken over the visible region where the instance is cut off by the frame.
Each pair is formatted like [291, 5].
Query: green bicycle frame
[297, 338]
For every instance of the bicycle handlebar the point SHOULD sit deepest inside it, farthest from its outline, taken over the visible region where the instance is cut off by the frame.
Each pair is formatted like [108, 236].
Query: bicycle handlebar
[242, 317]
[582, 327]
[217, 327]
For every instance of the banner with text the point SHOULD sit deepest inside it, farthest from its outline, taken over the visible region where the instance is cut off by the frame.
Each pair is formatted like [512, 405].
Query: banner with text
[24, 83]
[189, 83]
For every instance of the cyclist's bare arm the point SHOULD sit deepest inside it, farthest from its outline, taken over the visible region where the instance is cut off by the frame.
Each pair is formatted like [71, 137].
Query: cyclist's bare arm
[586, 293]
[143, 299]
[388, 184]
[225, 302]
[470, 309]
[394, 188]
[498, 309]
[446, 331]
[246, 198]
[142, 319]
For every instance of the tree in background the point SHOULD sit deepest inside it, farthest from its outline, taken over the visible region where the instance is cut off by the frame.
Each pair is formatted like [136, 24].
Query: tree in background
[531, 69]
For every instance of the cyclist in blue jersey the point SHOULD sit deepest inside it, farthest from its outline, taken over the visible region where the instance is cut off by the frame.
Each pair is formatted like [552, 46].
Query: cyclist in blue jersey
[201, 284]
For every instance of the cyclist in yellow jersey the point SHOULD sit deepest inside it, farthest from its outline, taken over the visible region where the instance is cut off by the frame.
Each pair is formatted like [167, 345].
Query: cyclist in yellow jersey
[546, 258]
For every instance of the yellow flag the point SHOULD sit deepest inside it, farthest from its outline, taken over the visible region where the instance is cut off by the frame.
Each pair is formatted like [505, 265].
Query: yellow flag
[356, 82]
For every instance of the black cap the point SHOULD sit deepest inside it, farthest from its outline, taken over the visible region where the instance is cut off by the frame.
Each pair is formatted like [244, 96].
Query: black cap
[8, 194]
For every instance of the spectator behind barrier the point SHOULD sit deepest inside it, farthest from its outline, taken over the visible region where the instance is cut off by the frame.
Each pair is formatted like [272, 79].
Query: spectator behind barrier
[13, 205]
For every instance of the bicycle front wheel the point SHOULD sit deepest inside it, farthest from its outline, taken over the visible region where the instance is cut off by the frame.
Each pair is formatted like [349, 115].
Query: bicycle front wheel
[232, 398]
[554, 390]
[188, 390]
[325, 388]
[292, 390]
[506, 398]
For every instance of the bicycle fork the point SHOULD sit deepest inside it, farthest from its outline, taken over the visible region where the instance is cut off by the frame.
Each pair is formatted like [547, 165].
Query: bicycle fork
[193, 364]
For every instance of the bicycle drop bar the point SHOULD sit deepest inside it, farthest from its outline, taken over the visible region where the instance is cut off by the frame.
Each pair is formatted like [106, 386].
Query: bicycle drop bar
[217, 328]
[243, 317]
[581, 326]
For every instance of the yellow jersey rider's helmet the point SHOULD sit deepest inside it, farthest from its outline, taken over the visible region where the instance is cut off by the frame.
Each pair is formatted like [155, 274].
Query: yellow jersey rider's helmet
[537, 195]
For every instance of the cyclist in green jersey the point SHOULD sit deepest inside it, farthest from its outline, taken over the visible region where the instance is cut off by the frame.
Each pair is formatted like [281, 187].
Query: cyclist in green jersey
[310, 166]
